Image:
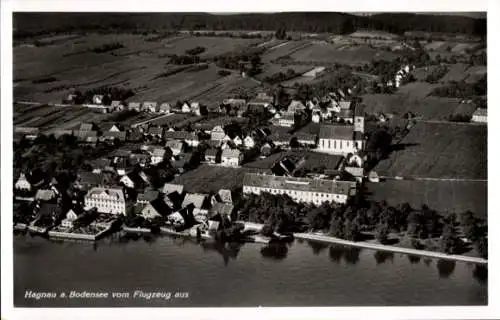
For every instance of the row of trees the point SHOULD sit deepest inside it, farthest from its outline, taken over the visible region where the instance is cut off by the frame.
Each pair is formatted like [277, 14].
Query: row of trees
[108, 47]
[280, 76]
[354, 220]
[109, 94]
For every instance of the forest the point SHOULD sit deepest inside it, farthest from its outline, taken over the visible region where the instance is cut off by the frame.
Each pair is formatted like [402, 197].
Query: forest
[36, 24]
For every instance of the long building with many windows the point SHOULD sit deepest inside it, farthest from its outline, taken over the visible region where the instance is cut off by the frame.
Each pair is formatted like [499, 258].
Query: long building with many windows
[314, 191]
[106, 200]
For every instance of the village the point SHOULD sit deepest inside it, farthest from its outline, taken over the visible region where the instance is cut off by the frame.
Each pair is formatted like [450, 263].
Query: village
[257, 136]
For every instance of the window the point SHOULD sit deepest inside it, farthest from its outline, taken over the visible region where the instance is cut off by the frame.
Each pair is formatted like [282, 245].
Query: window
[359, 120]
[329, 144]
[334, 144]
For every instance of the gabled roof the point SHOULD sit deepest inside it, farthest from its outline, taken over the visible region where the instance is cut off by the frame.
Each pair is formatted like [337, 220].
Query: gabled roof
[345, 113]
[164, 106]
[170, 187]
[122, 135]
[225, 195]
[231, 153]
[89, 178]
[158, 152]
[481, 112]
[134, 105]
[155, 131]
[45, 195]
[149, 104]
[197, 199]
[116, 103]
[100, 163]
[173, 144]
[138, 178]
[296, 105]
[345, 104]
[336, 132]
[115, 193]
[304, 136]
[179, 135]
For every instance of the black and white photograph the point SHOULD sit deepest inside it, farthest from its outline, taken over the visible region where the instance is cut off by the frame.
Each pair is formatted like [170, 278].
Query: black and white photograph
[247, 159]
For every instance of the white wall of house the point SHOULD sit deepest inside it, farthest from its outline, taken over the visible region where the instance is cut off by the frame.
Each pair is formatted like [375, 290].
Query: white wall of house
[300, 196]
[127, 182]
[105, 204]
[23, 184]
[231, 161]
[339, 146]
[480, 119]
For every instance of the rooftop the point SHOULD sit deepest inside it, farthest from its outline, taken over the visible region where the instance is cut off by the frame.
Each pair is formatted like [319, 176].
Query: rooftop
[299, 184]
[117, 194]
[197, 199]
[328, 131]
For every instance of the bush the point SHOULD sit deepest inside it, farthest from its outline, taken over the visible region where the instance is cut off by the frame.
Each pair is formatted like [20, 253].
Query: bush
[223, 73]
[195, 51]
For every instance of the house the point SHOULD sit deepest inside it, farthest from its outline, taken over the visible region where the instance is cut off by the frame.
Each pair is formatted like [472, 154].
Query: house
[198, 200]
[266, 149]
[237, 141]
[86, 127]
[97, 99]
[227, 144]
[307, 190]
[480, 115]
[164, 108]
[112, 135]
[249, 142]
[356, 172]
[176, 147]
[296, 105]
[22, 183]
[135, 180]
[345, 105]
[231, 105]
[117, 105]
[306, 139]
[186, 108]
[224, 209]
[169, 188]
[225, 196]
[242, 110]
[158, 155]
[284, 120]
[134, 106]
[101, 164]
[316, 117]
[338, 139]
[87, 180]
[155, 208]
[191, 138]
[346, 115]
[217, 134]
[106, 200]
[196, 108]
[85, 136]
[147, 196]
[211, 155]
[45, 195]
[150, 107]
[30, 133]
[183, 218]
[70, 218]
[280, 138]
[155, 131]
[231, 157]
[142, 158]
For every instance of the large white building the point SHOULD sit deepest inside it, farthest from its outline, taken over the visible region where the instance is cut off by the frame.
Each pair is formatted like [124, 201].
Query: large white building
[314, 191]
[106, 200]
[340, 139]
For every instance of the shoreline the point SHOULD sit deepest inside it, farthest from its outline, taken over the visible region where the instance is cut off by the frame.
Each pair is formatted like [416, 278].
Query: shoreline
[374, 246]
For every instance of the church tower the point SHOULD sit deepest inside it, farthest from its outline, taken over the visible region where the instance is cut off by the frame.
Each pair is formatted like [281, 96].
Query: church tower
[359, 118]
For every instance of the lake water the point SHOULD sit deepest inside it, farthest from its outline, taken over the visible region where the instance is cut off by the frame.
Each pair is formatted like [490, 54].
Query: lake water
[208, 275]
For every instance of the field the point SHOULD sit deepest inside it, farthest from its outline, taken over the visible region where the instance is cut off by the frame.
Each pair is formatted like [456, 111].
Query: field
[456, 72]
[70, 63]
[172, 119]
[207, 178]
[417, 90]
[443, 196]
[273, 68]
[283, 49]
[330, 53]
[213, 45]
[475, 73]
[440, 150]
[48, 118]
[434, 108]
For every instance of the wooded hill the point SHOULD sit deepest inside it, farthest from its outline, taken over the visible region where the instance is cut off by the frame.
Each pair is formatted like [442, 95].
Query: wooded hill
[28, 24]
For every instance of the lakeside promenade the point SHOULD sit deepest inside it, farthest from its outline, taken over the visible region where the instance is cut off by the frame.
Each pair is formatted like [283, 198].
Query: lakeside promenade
[374, 246]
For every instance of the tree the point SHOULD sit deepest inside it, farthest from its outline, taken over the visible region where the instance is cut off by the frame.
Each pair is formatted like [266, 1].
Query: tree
[280, 33]
[382, 233]
[482, 247]
[351, 230]
[449, 239]
[294, 143]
